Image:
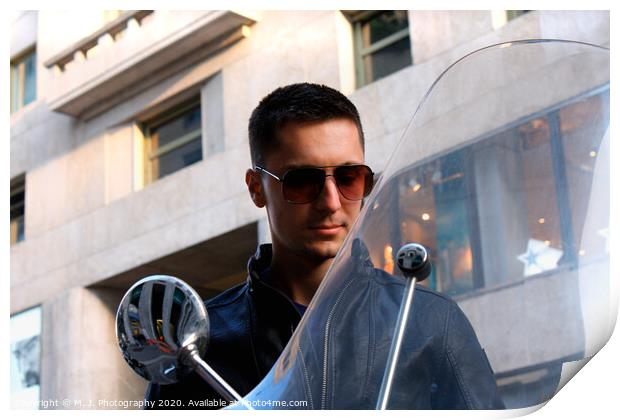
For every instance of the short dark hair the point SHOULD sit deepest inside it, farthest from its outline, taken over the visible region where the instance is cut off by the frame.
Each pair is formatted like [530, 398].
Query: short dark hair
[296, 103]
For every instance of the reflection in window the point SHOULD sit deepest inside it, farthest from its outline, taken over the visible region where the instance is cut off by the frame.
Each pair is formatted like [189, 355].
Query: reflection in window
[510, 206]
[434, 211]
[173, 142]
[518, 203]
[382, 44]
[25, 358]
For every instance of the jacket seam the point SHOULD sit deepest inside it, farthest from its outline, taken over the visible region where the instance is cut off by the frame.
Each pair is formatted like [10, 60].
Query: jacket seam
[330, 371]
[455, 366]
[371, 346]
[307, 392]
[251, 337]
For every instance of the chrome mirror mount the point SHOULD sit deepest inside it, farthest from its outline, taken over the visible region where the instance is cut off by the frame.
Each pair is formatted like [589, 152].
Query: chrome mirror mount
[162, 329]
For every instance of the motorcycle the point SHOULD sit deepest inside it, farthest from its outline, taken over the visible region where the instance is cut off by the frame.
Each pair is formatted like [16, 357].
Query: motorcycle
[495, 202]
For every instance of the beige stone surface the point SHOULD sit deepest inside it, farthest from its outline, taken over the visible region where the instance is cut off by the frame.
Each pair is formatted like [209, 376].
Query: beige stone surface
[80, 359]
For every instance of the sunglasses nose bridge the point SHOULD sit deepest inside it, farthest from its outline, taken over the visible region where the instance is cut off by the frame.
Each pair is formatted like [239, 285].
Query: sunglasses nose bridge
[327, 196]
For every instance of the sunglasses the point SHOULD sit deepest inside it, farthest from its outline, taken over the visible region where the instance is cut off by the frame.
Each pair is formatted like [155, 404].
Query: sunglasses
[304, 185]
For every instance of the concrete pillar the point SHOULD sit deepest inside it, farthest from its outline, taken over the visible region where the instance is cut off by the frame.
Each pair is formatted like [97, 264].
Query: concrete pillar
[80, 360]
[212, 99]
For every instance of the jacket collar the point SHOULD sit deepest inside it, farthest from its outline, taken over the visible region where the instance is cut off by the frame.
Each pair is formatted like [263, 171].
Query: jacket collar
[260, 261]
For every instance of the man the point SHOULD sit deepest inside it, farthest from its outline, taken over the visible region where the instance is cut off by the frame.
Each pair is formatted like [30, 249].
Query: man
[307, 149]
[320, 128]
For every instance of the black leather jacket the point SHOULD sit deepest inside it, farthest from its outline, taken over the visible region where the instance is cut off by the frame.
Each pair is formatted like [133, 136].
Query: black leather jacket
[251, 324]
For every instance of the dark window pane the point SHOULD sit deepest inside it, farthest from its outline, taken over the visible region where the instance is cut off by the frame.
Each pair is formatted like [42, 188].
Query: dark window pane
[17, 209]
[179, 158]
[17, 205]
[183, 134]
[176, 128]
[433, 205]
[30, 76]
[383, 25]
[388, 60]
[20, 229]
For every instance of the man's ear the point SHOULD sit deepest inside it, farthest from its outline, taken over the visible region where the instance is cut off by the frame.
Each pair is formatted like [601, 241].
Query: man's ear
[253, 181]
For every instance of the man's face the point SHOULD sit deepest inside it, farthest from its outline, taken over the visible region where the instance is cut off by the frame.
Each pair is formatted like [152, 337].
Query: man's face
[317, 229]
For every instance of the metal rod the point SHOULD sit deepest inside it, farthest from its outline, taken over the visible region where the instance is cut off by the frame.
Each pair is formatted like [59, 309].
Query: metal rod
[397, 340]
[218, 383]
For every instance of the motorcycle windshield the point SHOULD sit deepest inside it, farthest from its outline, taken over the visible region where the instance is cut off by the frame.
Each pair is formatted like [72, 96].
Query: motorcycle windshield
[503, 175]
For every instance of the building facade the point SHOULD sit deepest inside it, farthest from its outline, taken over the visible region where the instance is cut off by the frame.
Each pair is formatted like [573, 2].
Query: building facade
[129, 148]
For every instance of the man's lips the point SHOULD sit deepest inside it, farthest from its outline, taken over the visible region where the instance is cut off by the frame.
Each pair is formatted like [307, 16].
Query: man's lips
[328, 229]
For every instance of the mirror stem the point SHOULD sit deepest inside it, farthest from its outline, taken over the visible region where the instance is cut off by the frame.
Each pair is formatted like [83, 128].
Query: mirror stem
[397, 340]
[191, 356]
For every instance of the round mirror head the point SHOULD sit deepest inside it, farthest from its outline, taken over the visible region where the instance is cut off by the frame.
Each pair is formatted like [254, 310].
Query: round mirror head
[413, 261]
[157, 318]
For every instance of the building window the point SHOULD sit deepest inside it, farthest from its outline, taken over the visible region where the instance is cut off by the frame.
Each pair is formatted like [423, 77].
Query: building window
[23, 80]
[173, 141]
[18, 198]
[381, 42]
[508, 207]
[25, 358]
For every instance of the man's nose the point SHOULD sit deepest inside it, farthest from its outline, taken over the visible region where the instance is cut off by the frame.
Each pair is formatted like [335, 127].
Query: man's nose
[330, 196]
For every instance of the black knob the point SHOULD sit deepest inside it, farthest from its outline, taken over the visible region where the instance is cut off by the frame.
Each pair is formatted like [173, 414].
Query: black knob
[414, 261]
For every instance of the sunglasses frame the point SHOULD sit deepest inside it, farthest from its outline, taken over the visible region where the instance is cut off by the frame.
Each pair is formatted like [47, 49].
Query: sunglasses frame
[281, 180]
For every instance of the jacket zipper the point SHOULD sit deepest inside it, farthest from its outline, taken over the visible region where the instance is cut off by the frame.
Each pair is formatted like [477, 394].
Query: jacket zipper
[326, 345]
[298, 346]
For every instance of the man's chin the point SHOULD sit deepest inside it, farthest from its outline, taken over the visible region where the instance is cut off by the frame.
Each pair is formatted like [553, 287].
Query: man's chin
[323, 250]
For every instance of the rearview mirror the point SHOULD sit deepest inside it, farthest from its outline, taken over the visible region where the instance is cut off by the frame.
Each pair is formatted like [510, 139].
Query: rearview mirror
[162, 328]
[157, 319]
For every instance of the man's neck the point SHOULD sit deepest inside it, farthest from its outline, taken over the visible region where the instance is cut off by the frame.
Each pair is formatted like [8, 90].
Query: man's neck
[297, 277]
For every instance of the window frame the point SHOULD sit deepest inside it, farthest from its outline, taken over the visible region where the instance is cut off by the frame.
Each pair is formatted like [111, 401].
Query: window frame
[360, 52]
[18, 185]
[148, 126]
[18, 79]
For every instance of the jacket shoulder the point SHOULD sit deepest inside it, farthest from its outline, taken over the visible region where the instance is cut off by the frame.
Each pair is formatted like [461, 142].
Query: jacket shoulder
[229, 318]
[433, 295]
[422, 292]
[227, 297]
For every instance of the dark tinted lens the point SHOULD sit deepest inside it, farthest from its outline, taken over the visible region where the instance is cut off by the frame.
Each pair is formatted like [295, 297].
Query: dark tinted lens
[354, 182]
[302, 185]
